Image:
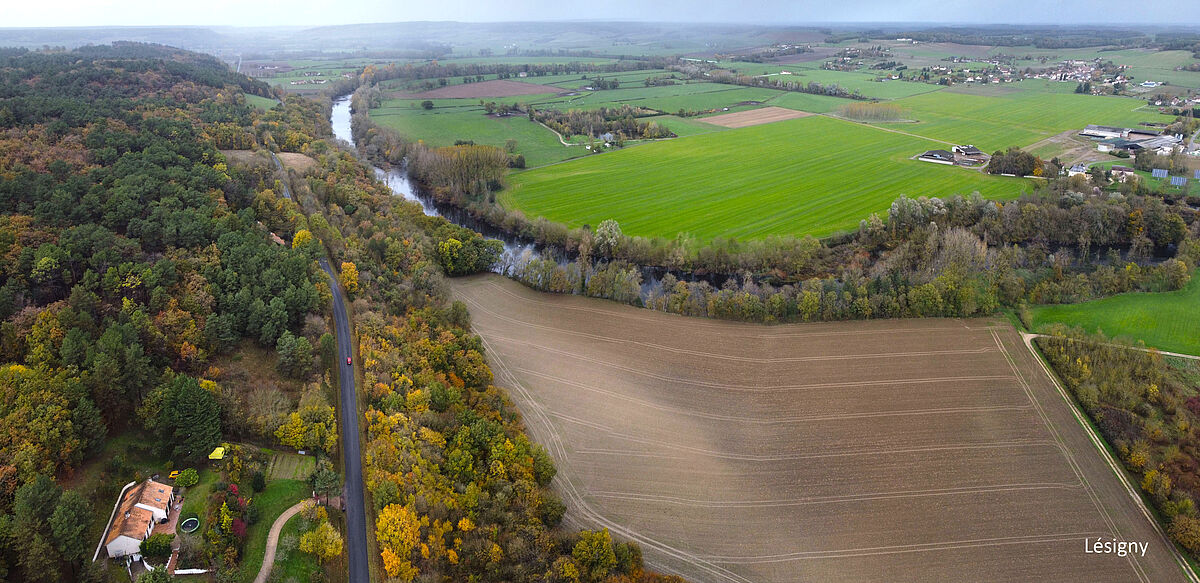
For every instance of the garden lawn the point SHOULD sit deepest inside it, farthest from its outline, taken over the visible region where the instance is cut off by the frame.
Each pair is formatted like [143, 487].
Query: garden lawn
[194, 498]
[1167, 321]
[809, 176]
[279, 496]
[296, 565]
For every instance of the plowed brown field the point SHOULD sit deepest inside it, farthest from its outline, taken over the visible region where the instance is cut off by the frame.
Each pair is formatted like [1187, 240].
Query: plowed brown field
[754, 117]
[913, 450]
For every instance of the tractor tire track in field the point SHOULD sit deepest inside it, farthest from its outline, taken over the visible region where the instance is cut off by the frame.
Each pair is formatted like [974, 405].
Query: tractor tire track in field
[865, 451]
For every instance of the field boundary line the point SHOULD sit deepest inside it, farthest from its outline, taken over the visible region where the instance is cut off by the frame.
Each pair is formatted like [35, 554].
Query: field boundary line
[1150, 349]
[882, 129]
[1116, 469]
[913, 548]
[1114, 531]
[748, 359]
[752, 388]
[767, 421]
[847, 498]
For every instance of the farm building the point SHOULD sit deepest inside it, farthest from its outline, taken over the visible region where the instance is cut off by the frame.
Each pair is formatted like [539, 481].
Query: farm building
[937, 157]
[142, 507]
[1095, 131]
[968, 154]
[1077, 169]
[1120, 173]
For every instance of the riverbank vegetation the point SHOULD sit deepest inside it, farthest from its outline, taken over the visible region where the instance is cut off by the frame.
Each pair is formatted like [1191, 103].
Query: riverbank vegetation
[954, 256]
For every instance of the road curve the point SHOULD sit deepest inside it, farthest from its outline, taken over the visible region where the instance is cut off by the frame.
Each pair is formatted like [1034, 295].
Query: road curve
[273, 539]
[356, 517]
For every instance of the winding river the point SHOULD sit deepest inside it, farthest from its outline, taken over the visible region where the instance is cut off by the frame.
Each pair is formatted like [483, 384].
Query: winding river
[397, 179]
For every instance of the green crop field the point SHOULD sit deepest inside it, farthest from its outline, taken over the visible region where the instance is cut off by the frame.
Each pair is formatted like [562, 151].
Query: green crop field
[814, 175]
[1167, 321]
[1016, 119]
[862, 81]
[669, 98]
[463, 119]
[443, 126]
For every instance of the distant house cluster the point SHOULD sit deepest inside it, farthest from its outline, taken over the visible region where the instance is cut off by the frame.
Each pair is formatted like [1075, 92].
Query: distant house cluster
[1131, 140]
[310, 82]
[965, 155]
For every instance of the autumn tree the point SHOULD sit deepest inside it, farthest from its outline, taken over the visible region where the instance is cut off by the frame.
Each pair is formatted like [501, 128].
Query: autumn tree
[1186, 531]
[594, 553]
[312, 426]
[349, 277]
[398, 531]
[324, 541]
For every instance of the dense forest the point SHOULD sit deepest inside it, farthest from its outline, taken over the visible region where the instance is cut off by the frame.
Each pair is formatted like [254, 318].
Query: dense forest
[134, 259]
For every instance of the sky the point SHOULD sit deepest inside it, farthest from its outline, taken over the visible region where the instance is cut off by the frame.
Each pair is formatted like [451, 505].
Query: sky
[327, 12]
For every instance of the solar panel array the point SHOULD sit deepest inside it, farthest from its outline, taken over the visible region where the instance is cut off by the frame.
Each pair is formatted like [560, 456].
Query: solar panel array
[1178, 180]
[1158, 173]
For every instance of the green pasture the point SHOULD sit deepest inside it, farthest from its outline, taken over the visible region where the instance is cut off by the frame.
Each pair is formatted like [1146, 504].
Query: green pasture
[813, 175]
[1167, 321]
[443, 126]
[1017, 119]
[260, 102]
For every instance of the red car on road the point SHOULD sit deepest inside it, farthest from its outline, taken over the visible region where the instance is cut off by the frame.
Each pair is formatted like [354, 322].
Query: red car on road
[347, 360]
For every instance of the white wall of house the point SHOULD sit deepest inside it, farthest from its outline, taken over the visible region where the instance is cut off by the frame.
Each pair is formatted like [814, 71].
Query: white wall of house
[123, 545]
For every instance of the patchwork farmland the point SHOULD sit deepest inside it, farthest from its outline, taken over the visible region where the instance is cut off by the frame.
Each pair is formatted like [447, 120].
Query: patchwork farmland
[805, 176]
[910, 450]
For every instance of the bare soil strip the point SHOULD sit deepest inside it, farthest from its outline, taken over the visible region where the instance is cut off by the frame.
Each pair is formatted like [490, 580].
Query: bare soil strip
[913, 450]
[754, 117]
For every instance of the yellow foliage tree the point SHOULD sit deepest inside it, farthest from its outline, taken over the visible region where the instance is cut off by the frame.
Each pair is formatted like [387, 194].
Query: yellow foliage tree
[349, 277]
[398, 530]
[301, 238]
[324, 541]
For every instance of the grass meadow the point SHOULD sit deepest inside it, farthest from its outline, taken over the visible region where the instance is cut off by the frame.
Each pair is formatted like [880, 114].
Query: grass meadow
[815, 175]
[1167, 321]
[1015, 119]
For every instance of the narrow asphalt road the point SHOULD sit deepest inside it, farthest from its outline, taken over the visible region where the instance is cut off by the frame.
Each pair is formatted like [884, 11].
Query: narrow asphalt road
[356, 517]
[287, 192]
[273, 539]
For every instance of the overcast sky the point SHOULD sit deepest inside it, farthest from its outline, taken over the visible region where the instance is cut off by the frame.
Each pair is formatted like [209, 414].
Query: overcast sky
[21, 13]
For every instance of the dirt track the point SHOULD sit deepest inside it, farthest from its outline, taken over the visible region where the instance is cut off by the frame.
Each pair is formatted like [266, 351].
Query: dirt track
[913, 450]
[754, 117]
